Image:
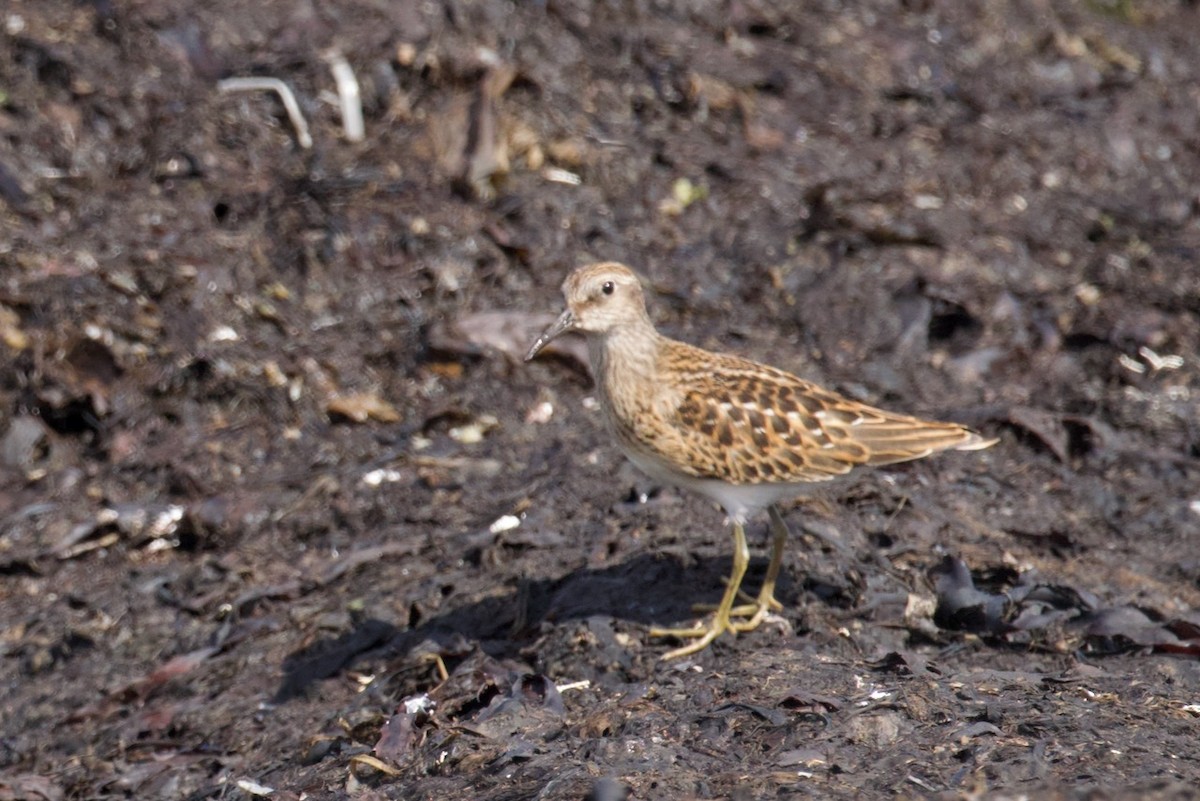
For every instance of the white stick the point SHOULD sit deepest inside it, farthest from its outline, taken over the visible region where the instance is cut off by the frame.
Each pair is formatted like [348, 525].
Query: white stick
[303, 137]
[349, 96]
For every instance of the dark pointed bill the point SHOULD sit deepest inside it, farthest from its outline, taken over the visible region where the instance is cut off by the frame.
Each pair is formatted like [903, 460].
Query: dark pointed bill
[565, 322]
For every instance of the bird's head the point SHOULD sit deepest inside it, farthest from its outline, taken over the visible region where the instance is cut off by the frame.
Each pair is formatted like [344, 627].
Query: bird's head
[600, 298]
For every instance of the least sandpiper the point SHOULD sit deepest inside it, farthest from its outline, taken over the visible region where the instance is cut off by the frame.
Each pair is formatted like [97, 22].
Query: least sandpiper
[744, 434]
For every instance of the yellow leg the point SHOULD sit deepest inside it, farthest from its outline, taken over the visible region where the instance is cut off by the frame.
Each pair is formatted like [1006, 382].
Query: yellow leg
[720, 621]
[766, 602]
[757, 608]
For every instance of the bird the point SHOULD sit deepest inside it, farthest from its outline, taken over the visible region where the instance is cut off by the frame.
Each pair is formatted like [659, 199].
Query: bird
[743, 434]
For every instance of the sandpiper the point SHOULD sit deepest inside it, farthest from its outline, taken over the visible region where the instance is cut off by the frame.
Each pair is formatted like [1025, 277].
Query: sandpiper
[744, 434]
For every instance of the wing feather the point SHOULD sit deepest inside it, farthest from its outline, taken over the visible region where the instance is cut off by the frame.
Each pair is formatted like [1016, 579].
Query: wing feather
[743, 422]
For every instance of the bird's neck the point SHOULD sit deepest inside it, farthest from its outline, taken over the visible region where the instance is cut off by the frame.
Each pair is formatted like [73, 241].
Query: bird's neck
[628, 352]
[625, 370]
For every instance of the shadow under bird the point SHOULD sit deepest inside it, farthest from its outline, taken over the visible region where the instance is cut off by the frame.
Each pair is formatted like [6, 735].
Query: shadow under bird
[744, 434]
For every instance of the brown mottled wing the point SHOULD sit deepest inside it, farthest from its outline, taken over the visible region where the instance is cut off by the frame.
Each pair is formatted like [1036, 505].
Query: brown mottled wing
[745, 423]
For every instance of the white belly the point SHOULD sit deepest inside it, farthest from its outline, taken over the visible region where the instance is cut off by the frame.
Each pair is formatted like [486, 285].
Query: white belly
[740, 501]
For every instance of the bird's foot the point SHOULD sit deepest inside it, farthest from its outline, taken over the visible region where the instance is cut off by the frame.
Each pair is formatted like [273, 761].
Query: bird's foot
[753, 614]
[701, 635]
[753, 607]
[746, 617]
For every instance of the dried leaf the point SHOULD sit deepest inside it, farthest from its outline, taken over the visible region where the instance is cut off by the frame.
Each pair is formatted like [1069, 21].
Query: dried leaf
[505, 331]
[144, 687]
[10, 329]
[360, 407]
[251, 787]
[806, 757]
[23, 443]
[397, 738]
[1046, 427]
[174, 667]
[1122, 627]
[473, 432]
[976, 729]
[372, 762]
[28, 787]
[710, 92]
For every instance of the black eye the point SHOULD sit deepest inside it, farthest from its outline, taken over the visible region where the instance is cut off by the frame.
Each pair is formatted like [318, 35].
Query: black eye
[607, 289]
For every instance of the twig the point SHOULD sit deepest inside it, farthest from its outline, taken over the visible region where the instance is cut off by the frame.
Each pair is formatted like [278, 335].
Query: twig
[349, 96]
[303, 137]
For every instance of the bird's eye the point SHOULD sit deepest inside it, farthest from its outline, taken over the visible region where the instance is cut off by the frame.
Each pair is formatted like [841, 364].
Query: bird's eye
[607, 288]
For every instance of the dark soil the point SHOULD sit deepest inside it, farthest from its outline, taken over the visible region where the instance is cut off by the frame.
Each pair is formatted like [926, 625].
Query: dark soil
[271, 462]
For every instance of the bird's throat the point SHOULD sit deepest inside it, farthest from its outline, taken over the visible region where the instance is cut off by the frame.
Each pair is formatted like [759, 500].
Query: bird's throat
[624, 364]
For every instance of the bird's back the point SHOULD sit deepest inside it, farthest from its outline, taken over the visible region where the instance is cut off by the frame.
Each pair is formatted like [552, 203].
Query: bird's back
[707, 415]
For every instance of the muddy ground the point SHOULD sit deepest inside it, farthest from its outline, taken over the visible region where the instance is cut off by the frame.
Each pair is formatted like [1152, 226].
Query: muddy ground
[271, 463]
